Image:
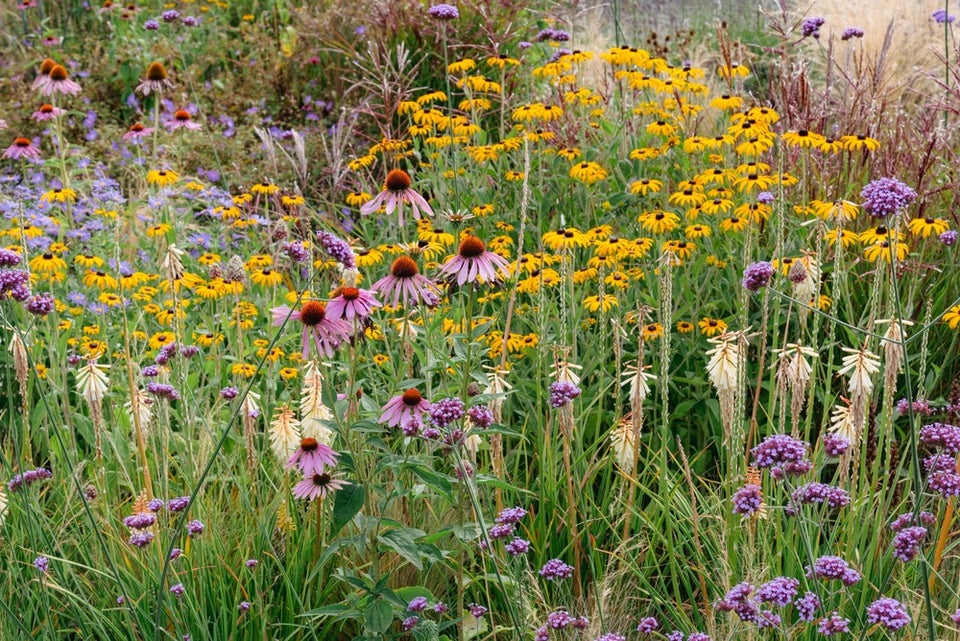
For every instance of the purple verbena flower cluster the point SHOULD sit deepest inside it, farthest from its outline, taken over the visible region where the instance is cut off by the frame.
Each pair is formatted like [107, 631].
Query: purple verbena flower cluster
[757, 275]
[337, 248]
[747, 499]
[833, 567]
[889, 613]
[885, 196]
[851, 32]
[811, 27]
[28, 478]
[562, 392]
[446, 411]
[555, 570]
[821, 493]
[907, 542]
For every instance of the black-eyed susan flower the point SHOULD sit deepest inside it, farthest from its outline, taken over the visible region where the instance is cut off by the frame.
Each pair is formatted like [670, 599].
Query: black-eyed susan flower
[659, 222]
[99, 279]
[716, 206]
[266, 277]
[652, 331]
[588, 172]
[844, 237]
[158, 231]
[883, 251]
[47, 263]
[292, 200]
[160, 339]
[684, 327]
[952, 317]
[617, 280]
[877, 234]
[64, 195]
[162, 177]
[645, 186]
[603, 302]
[924, 227]
[569, 153]
[751, 182]
[837, 210]
[712, 326]
[644, 153]
[727, 102]
[856, 143]
[514, 176]
[802, 138]
[734, 224]
[697, 231]
[565, 238]
[661, 128]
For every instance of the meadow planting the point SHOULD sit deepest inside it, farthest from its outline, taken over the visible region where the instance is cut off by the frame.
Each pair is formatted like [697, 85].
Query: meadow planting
[477, 321]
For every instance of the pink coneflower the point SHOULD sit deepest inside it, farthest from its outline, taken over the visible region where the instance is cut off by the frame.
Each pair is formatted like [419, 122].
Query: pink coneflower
[59, 83]
[406, 284]
[137, 132]
[156, 80]
[405, 407]
[318, 486]
[44, 78]
[352, 303]
[22, 148]
[328, 333]
[397, 191]
[47, 113]
[474, 261]
[181, 119]
[312, 457]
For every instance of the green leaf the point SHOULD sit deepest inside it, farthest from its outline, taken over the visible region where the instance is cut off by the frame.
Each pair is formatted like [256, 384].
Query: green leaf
[346, 504]
[378, 617]
[431, 478]
[402, 542]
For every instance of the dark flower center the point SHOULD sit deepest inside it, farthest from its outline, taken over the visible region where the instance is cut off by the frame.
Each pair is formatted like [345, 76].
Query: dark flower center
[47, 66]
[411, 398]
[322, 480]
[22, 142]
[803, 133]
[48, 256]
[398, 180]
[350, 293]
[156, 72]
[404, 267]
[46, 109]
[136, 128]
[309, 444]
[472, 247]
[182, 115]
[312, 313]
[58, 73]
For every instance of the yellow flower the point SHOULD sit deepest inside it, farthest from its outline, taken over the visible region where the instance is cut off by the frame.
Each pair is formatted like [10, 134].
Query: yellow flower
[514, 176]
[292, 201]
[684, 327]
[717, 206]
[461, 66]
[569, 153]
[854, 143]
[712, 326]
[243, 369]
[110, 299]
[802, 138]
[208, 259]
[752, 181]
[588, 172]
[162, 177]
[47, 263]
[925, 226]
[287, 373]
[645, 185]
[952, 317]
[264, 188]
[566, 238]
[100, 280]
[266, 277]
[652, 331]
[838, 210]
[697, 231]
[87, 260]
[41, 370]
[158, 230]
[726, 102]
[659, 222]
[206, 339]
[661, 128]
[160, 339]
[60, 196]
[646, 153]
[844, 236]
[603, 302]
[881, 251]
[734, 224]
[877, 235]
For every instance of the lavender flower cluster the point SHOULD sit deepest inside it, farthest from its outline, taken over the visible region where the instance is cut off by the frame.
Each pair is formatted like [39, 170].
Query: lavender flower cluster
[821, 493]
[28, 478]
[757, 275]
[782, 453]
[505, 527]
[811, 27]
[337, 248]
[886, 196]
[562, 392]
[829, 568]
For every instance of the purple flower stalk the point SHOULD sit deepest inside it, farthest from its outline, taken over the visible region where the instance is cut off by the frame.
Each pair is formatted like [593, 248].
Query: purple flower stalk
[517, 546]
[851, 32]
[811, 27]
[835, 445]
[338, 249]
